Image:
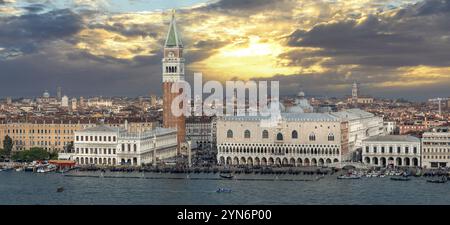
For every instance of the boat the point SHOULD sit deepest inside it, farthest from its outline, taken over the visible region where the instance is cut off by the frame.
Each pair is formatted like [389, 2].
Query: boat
[60, 189]
[223, 190]
[438, 181]
[226, 176]
[20, 169]
[400, 178]
[351, 176]
[46, 169]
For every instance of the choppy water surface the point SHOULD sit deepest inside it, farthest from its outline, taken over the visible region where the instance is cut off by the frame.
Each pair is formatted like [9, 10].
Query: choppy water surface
[31, 188]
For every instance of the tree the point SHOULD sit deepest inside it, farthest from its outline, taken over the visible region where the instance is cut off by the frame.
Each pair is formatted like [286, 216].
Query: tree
[7, 145]
[32, 155]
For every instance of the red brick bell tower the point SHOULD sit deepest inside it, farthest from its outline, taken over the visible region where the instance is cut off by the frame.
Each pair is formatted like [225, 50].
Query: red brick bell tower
[173, 71]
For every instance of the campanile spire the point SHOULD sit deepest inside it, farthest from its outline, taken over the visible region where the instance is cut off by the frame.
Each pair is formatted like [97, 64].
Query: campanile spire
[172, 71]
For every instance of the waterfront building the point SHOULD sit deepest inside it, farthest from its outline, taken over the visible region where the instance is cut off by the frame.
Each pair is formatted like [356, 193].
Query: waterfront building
[298, 139]
[199, 131]
[172, 71]
[53, 135]
[361, 125]
[107, 145]
[392, 150]
[436, 148]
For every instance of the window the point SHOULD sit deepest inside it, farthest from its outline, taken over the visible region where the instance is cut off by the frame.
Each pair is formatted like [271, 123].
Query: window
[367, 149]
[330, 137]
[415, 150]
[312, 137]
[229, 134]
[294, 134]
[382, 149]
[375, 149]
[246, 134]
[279, 137]
[390, 149]
[398, 150]
[135, 147]
[265, 134]
[406, 150]
[78, 138]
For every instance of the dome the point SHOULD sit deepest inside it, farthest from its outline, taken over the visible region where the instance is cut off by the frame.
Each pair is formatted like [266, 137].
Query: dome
[46, 94]
[301, 94]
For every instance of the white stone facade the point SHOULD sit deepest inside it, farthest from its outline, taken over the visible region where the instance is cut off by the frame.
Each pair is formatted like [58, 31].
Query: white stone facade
[361, 125]
[436, 148]
[305, 139]
[105, 145]
[392, 150]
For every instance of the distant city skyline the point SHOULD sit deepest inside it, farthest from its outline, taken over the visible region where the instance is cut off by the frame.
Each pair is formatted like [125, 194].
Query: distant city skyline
[394, 48]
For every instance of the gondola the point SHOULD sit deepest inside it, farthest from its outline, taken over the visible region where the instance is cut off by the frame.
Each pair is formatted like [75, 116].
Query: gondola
[400, 178]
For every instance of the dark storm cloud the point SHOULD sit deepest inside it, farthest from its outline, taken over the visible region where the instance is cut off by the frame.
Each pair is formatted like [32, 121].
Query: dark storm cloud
[31, 74]
[35, 8]
[418, 35]
[203, 49]
[243, 8]
[28, 33]
[130, 29]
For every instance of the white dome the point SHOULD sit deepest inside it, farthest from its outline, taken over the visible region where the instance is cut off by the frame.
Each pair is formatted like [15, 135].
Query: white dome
[301, 94]
[46, 94]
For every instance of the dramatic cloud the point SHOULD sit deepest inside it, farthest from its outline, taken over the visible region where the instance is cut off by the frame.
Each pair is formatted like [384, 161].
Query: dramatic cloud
[392, 47]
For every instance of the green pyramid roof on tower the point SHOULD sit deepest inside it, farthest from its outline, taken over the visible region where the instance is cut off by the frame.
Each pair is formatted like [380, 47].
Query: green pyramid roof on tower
[173, 38]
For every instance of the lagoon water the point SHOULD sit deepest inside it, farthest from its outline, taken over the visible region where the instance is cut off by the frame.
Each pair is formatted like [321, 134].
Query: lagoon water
[40, 189]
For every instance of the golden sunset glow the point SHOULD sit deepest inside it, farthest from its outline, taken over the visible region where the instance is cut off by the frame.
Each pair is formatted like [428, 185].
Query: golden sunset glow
[382, 43]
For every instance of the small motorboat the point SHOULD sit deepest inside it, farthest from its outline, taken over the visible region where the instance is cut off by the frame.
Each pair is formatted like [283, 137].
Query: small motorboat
[226, 176]
[20, 169]
[400, 178]
[438, 181]
[60, 189]
[223, 190]
[351, 176]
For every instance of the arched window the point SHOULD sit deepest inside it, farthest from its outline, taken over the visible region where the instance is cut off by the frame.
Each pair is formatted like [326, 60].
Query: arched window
[246, 134]
[265, 134]
[279, 137]
[294, 134]
[135, 147]
[330, 137]
[312, 137]
[229, 134]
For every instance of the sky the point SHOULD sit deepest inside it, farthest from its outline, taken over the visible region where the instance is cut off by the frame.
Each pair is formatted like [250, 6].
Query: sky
[392, 48]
